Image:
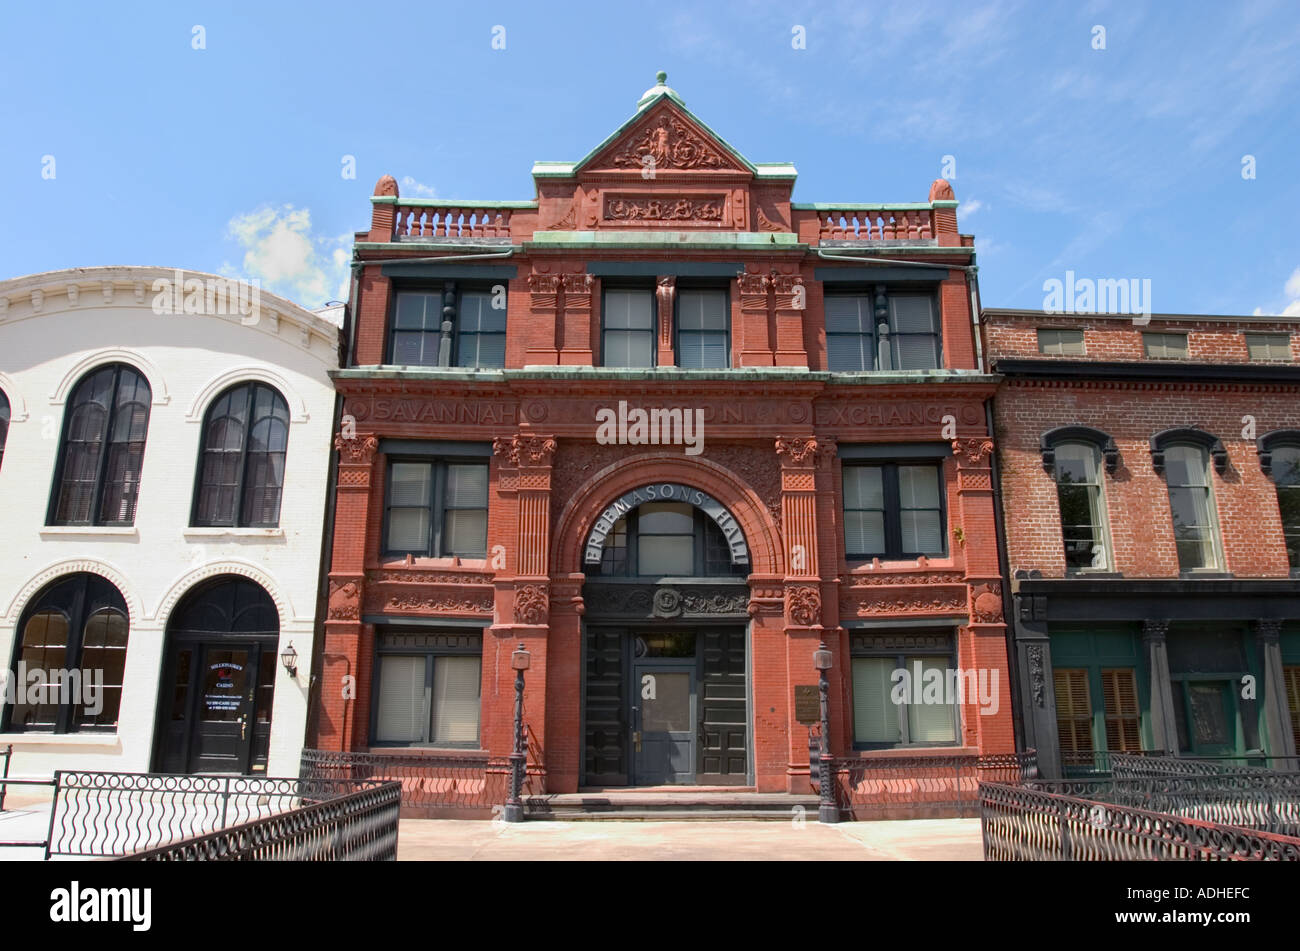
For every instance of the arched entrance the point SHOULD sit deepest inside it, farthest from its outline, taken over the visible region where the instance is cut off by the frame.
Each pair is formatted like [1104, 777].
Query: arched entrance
[665, 659]
[218, 681]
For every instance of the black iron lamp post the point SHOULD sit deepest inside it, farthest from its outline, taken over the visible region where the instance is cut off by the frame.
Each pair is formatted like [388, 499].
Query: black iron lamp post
[519, 661]
[827, 811]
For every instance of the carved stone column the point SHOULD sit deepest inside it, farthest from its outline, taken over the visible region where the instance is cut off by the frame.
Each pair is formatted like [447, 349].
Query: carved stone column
[666, 294]
[539, 336]
[790, 304]
[1277, 715]
[756, 329]
[345, 671]
[1164, 728]
[575, 344]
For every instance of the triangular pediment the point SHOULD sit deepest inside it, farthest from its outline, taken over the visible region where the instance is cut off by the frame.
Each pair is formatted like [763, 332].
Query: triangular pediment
[665, 136]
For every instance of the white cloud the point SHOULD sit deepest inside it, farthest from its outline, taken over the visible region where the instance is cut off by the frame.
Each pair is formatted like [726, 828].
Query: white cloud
[969, 207]
[410, 188]
[1292, 306]
[281, 252]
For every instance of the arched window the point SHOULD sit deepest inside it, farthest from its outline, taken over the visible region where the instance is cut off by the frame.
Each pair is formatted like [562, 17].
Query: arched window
[1279, 456]
[4, 424]
[104, 430]
[1074, 455]
[667, 539]
[1184, 455]
[75, 632]
[241, 465]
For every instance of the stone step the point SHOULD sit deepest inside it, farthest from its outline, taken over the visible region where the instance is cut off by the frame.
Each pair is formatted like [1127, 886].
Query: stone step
[677, 805]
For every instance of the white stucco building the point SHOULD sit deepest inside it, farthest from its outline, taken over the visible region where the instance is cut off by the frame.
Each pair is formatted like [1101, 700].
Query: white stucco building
[164, 462]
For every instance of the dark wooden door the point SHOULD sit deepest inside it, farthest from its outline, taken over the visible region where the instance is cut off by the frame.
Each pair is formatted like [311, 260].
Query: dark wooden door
[724, 727]
[605, 710]
[223, 719]
[663, 739]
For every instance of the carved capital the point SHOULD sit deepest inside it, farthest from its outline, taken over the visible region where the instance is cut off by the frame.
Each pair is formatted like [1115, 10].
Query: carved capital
[1154, 630]
[797, 450]
[972, 452]
[1268, 630]
[577, 291]
[525, 450]
[358, 450]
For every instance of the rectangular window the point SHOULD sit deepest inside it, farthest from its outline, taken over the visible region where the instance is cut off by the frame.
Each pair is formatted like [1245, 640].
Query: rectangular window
[911, 338]
[436, 508]
[1073, 716]
[1291, 676]
[417, 327]
[1187, 474]
[427, 690]
[702, 337]
[904, 699]
[1078, 492]
[628, 334]
[893, 511]
[1164, 346]
[481, 330]
[1286, 475]
[1269, 346]
[1061, 342]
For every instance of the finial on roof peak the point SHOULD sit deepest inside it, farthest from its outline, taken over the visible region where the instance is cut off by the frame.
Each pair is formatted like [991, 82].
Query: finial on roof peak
[660, 88]
[661, 78]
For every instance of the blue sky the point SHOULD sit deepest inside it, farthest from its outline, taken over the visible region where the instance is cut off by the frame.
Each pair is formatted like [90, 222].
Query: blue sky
[1122, 162]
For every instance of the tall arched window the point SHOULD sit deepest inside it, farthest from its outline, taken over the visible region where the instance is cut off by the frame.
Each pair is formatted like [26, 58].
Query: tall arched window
[1183, 456]
[104, 430]
[1073, 456]
[75, 632]
[4, 424]
[241, 467]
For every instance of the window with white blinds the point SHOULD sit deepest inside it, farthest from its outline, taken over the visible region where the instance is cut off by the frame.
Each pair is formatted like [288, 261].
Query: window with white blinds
[702, 339]
[893, 510]
[628, 328]
[907, 337]
[913, 331]
[427, 698]
[850, 333]
[893, 709]
[437, 508]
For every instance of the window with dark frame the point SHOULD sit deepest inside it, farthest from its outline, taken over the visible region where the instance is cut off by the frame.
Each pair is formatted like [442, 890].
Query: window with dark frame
[628, 327]
[78, 624]
[703, 336]
[893, 510]
[661, 539]
[104, 431]
[436, 508]
[241, 462]
[1286, 476]
[1060, 342]
[1082, 506]
[478, 319]
[879, 719]
[1291, 677]
[427, 688]
[4, 424]
[910, 324]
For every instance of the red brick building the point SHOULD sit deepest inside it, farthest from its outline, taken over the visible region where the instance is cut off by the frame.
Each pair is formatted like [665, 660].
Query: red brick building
[670, 430]
[1150, 484]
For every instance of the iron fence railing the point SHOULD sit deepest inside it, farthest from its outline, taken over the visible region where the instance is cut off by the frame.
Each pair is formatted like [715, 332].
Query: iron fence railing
[434, 785]
[1131, 765]
[110, 814]
[359, 826]
[908, 787]
[1027, 823]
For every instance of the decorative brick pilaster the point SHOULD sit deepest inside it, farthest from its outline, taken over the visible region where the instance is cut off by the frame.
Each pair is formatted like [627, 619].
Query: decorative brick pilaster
[756, 328]
[575, 343]
[539, 336]
[790, 303]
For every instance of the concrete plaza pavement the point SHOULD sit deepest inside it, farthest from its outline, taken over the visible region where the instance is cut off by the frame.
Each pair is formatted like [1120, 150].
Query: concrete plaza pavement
[612, 839]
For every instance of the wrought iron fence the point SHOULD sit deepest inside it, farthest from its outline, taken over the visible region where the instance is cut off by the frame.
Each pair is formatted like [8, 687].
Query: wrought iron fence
[1133, 765]
[358, 826]
[434, 785]
[913, 787]
[110, 814]
[1022, 823]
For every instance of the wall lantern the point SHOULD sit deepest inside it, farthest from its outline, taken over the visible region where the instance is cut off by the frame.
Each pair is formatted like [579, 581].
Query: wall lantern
[289, 660]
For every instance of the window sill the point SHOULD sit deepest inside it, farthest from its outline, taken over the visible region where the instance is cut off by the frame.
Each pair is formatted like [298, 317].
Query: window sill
[83, 531]
[874, 563]
[902, 752]
[59, 739]
[423, 561]
[231, 532]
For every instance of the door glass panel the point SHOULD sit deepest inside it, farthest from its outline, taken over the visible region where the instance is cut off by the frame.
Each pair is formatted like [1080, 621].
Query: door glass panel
[225, 679]
[669, 710]
[181, 685]
[266, 686]
[1209, 720]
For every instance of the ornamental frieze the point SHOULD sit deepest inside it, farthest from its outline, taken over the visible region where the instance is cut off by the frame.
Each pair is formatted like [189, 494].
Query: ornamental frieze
[531, 604]
[804, 604]
[397, 592]
[667, 208]
[905, 601]
[670, 143]
[664, 601]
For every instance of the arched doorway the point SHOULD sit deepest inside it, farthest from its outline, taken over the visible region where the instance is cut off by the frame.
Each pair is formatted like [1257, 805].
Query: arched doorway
[665, 658]
[218, 686]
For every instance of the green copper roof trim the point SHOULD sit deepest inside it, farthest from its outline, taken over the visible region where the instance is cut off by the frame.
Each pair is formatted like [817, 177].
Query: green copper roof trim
[447, 203]
[864, 205]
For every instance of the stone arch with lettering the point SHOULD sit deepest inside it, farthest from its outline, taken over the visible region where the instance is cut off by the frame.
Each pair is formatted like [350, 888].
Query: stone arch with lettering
[580, 515]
